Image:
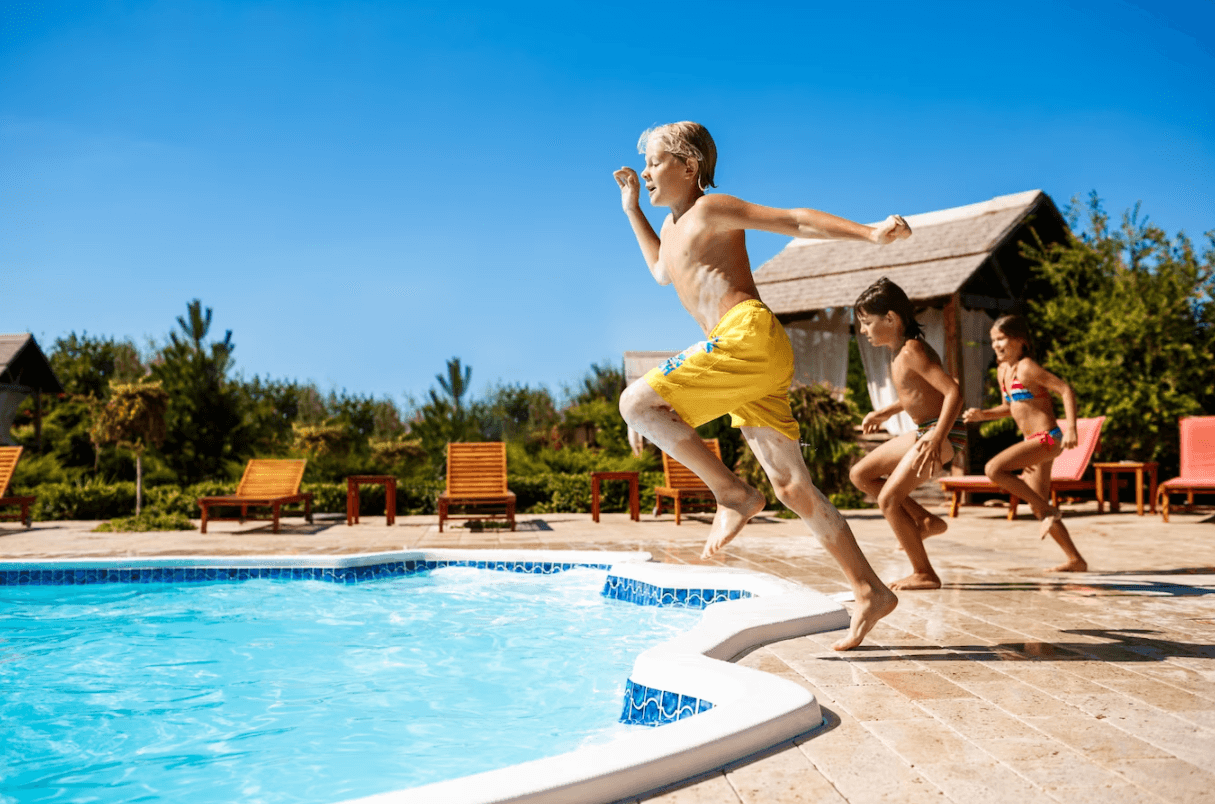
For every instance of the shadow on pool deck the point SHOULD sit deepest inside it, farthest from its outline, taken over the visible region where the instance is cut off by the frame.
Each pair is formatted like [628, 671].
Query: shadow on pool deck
[1007, 684]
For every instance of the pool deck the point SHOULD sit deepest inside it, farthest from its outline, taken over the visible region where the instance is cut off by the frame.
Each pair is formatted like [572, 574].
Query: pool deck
[1008, 684]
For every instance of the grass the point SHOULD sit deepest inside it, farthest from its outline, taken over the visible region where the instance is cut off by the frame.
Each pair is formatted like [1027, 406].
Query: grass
[145, 521]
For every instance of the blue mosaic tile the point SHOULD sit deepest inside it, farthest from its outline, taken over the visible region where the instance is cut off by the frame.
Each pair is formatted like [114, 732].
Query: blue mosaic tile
[646, 706]
[633, 591]
[344, 575]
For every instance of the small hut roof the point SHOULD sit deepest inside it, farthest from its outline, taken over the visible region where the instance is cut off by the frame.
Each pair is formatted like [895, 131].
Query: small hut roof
[946, 249]
[22, 363]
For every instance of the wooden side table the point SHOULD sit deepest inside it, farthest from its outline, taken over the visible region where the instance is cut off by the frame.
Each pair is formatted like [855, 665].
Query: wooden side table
[352, 496]
[1113, 469]
[634, 492]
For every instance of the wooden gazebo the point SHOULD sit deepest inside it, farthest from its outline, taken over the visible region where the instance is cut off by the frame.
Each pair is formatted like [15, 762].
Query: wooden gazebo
[24, 370]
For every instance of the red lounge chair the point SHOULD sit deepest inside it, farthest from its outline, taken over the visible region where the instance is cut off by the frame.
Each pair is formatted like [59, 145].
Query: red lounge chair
[266, 484]
[476, 483]
[1066, 474]
[8, 464]
[1197, 463]
[681, 483]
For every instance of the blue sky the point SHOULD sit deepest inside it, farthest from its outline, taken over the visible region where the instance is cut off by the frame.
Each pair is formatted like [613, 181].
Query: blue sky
[361, 191]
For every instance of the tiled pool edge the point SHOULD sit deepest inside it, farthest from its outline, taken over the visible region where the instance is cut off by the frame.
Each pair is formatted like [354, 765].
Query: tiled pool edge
[750, 710]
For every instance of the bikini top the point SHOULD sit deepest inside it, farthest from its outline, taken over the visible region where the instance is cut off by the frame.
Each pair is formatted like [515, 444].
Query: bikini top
[1017, 392]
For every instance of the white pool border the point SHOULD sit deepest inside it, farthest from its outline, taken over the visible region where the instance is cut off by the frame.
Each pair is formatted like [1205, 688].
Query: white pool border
[752, 710]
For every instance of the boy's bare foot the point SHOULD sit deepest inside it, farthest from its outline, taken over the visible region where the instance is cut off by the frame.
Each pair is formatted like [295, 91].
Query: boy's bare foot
[871, 605]
[917, 580]
[1072, 565]
[730, 519]
[1053, 517]
[933, 525]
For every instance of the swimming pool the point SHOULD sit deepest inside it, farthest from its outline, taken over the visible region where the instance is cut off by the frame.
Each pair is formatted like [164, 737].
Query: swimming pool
[668, 683]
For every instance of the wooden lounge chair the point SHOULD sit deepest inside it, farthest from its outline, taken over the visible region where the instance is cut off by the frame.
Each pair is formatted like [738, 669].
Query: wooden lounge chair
[8, 464]
[266, 483]
[1197, 463]
[1067, 473]
[681, 483]
[476, 483]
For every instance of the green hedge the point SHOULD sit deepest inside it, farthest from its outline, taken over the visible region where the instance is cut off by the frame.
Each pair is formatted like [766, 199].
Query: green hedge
[549, 493]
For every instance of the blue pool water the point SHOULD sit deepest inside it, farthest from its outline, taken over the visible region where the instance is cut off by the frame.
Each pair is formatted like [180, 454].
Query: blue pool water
[293, 691]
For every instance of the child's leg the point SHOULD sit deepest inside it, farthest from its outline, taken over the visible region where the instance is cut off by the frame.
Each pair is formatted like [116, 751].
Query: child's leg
[781, 459]
[892, 501]
[869, 475]
[999, 470]
[649, 414]
[1038, 478]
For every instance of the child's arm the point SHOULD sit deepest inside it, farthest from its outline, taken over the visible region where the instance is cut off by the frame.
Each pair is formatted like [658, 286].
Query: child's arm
[630, 192]
[873, 419]
[975, 415]
[929, 447]
[1037, 375]
[734, 213]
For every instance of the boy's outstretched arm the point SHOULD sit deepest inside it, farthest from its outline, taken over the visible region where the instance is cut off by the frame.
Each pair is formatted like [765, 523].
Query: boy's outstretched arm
[630, 194]
[809, 223]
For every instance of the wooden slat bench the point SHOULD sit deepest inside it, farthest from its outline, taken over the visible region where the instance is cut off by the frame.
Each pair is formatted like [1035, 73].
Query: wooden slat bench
[476, 483]
[8, 464]
[266, 483]
[680, 483]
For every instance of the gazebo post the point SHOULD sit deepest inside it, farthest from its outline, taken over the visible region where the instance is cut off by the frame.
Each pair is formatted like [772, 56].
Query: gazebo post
[952, 319]
[38, 419]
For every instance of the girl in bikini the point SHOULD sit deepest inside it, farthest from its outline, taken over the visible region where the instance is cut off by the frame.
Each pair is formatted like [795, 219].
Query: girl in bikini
[1025, 388]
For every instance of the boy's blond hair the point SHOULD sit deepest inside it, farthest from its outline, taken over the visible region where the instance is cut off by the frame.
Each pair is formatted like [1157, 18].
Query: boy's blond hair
[686, 140]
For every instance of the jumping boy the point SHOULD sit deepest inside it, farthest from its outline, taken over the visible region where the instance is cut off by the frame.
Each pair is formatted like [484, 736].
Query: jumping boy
[745, 366]
[933, 401]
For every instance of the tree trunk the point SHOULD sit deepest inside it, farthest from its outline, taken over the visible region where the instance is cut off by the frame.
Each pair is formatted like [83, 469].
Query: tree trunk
[138, 483]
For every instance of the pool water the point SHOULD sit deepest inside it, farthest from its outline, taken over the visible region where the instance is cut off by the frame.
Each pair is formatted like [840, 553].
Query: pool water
[292, 691]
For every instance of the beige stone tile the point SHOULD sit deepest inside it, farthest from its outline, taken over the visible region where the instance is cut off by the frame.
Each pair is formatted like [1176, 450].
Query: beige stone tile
[1017, 750]
[1172, 779]
[711, 790]
[1113, 793]
[863, 769]
[921, 685]
[787, 777]
[1096, 739]
[925, 741]
[1016, 698]
[981, 783]
[975, 719]
[875, 703]
[969, 671]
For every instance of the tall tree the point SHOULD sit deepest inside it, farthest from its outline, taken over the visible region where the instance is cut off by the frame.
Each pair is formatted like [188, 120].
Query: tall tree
[1130, 326]
[204, 421]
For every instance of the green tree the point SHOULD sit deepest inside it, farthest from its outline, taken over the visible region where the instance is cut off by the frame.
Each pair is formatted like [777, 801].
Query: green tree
[444, 417]
[134, 417]
[1129, 325]
[204, 421]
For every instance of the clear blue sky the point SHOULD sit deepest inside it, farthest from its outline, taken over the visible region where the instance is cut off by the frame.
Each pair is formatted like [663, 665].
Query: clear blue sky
[364, 190]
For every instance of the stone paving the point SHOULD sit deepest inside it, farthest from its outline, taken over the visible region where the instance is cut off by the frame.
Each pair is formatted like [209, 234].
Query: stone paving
[1008, 684]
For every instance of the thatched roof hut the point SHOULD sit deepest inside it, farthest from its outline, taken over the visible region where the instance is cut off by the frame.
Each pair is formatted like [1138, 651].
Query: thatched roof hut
[971, 252]
[24, 370]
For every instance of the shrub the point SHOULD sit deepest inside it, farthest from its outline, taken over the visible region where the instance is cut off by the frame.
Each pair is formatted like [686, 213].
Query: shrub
[145, 521]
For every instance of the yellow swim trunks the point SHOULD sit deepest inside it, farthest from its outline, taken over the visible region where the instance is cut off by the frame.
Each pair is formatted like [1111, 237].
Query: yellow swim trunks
[744, 369]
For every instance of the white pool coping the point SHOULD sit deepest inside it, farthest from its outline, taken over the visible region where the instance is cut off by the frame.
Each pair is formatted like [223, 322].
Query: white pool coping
[752, 710]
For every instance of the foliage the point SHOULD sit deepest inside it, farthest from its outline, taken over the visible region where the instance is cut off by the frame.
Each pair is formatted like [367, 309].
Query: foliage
[134, 418]
[858, 383]
[1131, 325]
[146, 521]
[604, 382]
[204, 423]
[828, 446]
[86, 366]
